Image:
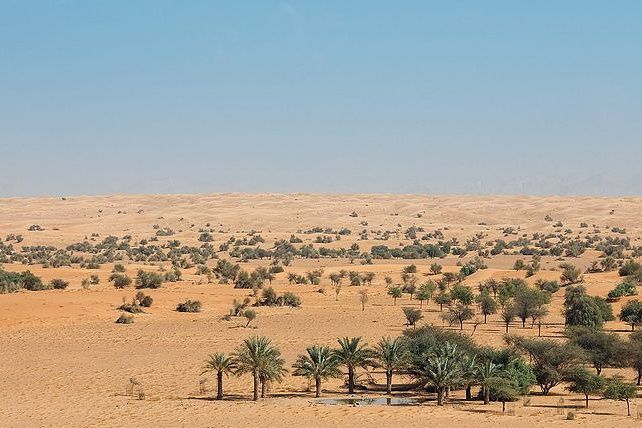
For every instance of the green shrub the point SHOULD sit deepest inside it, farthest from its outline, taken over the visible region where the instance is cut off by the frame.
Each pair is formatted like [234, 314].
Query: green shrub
[59, 284]
[143, 299]
[290, 299]
[120, 280]
[148, 279]
[624, 288]
[189, 306]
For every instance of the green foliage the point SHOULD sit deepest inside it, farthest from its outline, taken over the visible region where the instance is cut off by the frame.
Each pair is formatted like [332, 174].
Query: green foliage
[548, 286]
[220, 364]
[58, 284]
[551, 359]
[487, 305]
[412, 315]
[148, 279]
[120, 280]
[11, 282]
[602, 349]
[570, 274]
[462, 294]
[143, 299]
[259, 357]
[395, 293]
[582, 381]
[631, 313]
[250, 315]
[352, 353]
[618, 390]
[317, 364]
[583, 310]
[627, 287]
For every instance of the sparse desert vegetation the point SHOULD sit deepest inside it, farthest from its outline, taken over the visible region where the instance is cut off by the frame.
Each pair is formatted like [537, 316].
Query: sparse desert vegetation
[473, 315]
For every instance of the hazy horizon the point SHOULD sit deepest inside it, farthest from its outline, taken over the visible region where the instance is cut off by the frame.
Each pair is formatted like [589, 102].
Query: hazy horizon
[145, 97]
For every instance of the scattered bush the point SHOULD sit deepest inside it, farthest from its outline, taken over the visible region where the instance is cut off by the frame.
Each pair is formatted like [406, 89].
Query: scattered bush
[189, 306]
[125, 319]
[59, 284]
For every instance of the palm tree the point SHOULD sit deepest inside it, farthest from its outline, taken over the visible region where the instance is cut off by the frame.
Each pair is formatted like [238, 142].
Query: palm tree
[222, 365]
[319, 364]
[469, 373]
[257, 355]
[391, 355]
[271, 371]
[487, 375]
[353, 355]
[442, 370]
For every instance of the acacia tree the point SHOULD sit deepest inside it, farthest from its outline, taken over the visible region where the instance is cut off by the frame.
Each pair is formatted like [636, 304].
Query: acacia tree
[461, 313]
[582, 381]
[601, 348]
[551, 360]
[487, 305]
[631, 313]
[319, 364]
[412, 316]
[618, 390]
[508, 315]
[425, 292]
[442, 299]
[528, 301]
[390, 355]
[353, 354]
[633, 351]
[222, 365]
[584, 310]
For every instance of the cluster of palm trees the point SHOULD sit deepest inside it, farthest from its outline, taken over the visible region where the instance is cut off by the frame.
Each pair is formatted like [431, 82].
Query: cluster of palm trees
[258, 356]
[445, 367]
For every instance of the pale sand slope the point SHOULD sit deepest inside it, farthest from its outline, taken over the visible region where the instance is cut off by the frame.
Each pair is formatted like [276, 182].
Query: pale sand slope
[63, 362]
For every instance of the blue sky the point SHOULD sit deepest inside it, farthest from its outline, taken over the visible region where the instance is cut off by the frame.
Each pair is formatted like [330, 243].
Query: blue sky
[445, 97]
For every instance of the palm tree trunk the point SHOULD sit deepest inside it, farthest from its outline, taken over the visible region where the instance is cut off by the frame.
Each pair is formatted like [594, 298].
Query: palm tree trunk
[628, 408]
[587, 403]
[506, 327]
[256, 386]
[485, 315]
[461, 325]
[317, 384]
[639, 377]
[263, 389]
[486, 395]
[219, 385]
[351, 380]
[388, 382]
[469, 395]
[440, 396]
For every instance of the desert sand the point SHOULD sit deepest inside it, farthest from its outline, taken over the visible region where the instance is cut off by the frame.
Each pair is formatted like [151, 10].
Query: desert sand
[64, 362]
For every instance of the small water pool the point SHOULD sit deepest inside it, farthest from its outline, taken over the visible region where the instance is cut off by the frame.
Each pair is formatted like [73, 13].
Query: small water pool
[364, 401]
